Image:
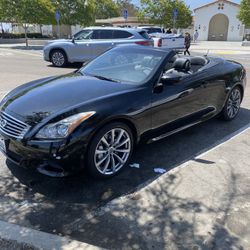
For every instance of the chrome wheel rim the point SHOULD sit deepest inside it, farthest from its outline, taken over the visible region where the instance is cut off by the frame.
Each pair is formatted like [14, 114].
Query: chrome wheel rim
[58, 59]
[112, 151]
[233, 104]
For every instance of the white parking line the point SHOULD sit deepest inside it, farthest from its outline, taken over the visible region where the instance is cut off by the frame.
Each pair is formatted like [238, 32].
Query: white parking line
[6, 54]
[36, 54]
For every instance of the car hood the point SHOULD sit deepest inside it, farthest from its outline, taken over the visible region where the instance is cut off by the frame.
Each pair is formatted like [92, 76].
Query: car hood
[37, 100]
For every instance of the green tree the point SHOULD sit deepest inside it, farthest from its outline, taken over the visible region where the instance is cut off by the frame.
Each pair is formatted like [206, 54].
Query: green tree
[106, 9]
[75, 12]
[127, 5]
[161, 12]
[1, 17]
[25, 12]
[244, 14]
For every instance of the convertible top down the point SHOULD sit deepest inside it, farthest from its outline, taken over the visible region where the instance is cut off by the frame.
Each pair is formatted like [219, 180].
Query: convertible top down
[95, 116]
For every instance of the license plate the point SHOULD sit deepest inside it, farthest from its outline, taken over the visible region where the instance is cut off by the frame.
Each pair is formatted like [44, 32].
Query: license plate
[2, 144]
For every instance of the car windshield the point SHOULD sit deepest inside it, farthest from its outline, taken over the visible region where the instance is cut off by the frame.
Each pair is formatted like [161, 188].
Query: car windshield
[132, 66]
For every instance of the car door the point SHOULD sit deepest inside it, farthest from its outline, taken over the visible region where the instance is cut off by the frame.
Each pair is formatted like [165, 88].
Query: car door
[180, 103]
[101, 41]
[82, 50]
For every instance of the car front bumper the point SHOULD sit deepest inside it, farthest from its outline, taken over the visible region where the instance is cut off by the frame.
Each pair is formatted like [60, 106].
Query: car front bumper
[54, 158]
[46, 55]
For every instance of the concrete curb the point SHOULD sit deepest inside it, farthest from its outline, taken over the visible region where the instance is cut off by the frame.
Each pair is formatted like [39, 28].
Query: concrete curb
[17, 237]
[246, 43]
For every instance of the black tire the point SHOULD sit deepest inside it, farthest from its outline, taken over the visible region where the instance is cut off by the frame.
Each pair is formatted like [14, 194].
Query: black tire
[58, 58]
[232, 105]
[97, 146]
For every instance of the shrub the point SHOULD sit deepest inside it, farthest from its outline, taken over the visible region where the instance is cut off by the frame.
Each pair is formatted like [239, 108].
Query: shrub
[21, 35]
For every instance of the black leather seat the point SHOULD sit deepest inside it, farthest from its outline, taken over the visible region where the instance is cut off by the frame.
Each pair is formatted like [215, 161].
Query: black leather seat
[182, 64]
[181, 67]
[197, 62]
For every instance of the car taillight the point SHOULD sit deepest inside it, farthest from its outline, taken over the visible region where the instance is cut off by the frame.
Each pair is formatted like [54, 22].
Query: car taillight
[159, 43]
[145, 43]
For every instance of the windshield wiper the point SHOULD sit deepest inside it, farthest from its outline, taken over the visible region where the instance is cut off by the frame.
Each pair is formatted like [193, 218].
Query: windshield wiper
[105, 78]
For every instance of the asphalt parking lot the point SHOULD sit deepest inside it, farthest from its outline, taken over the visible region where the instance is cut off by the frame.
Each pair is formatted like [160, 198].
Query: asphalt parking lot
[71, 206]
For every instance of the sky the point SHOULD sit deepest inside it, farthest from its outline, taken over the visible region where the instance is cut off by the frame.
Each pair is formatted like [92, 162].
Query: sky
[193, 3]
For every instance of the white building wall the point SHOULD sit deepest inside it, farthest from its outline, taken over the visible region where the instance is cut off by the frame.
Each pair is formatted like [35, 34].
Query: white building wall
[47, 30]
[204, 15]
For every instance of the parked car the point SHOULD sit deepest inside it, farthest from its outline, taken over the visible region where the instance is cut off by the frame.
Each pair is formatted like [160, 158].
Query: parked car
[169, 41]
[163, 40]
[94, 117]
[91, 42]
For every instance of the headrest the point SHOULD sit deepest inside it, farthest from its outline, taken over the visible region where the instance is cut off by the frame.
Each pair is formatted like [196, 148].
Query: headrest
[173, 59]
[182, 64]
[198, 60]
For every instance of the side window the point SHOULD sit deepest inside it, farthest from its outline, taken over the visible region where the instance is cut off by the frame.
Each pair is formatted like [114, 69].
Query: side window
[144, 34]
[105, 34]
[121, 34]
[95, 34]
[84, 34]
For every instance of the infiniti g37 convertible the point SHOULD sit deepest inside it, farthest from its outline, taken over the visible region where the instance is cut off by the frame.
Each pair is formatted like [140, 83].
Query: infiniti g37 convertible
[94, 117]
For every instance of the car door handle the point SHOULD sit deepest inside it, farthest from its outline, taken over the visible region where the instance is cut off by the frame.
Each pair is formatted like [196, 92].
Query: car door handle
[185, 93]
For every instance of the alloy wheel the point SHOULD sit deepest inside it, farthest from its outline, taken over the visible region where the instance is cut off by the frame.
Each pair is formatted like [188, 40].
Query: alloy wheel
[58, 59]
[233, 104]
[112, 151]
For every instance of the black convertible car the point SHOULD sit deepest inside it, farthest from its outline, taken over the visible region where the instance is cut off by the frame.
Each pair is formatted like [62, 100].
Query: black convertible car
[94, 117]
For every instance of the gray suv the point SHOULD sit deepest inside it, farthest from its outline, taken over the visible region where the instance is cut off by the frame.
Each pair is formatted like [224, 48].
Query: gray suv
[91, 42]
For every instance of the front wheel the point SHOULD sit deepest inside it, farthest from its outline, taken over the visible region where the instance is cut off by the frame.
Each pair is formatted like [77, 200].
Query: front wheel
[58, 58]
[232, 106]
[110, 150]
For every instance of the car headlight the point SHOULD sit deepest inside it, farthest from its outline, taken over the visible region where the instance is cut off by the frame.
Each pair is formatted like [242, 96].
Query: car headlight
[64, 127]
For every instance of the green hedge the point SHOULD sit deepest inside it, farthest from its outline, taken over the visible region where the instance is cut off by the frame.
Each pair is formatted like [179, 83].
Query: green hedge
[21, 35]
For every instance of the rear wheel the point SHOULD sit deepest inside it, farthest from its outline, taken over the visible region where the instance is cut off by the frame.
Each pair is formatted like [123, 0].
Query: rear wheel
[232, 106]
[110, 150]
[58, 58]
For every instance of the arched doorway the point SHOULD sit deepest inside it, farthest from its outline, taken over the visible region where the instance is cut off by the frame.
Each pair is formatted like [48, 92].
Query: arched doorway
[218, 28]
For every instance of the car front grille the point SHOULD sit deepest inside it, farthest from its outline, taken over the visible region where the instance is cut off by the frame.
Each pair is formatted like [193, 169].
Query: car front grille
[12, 127]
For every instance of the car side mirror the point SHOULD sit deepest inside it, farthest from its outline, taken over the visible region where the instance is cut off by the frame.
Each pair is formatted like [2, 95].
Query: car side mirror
[73, 39]
[169, 79]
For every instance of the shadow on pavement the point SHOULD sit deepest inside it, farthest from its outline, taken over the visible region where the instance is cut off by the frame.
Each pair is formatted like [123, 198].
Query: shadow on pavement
[56, 203]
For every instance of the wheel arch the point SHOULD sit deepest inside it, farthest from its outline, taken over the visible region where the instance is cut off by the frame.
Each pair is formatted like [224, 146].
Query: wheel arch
[241, 89]
[124, 120]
